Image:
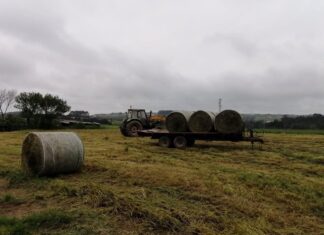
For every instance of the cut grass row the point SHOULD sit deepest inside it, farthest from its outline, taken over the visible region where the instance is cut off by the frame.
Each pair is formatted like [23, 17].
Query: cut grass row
[51, 219]
[132, 186]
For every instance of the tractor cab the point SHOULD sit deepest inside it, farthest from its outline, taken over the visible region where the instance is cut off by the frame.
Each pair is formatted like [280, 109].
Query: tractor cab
[136, 120]
[139, 114]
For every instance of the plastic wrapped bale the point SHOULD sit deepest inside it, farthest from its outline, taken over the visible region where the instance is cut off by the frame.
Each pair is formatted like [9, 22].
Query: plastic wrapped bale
[201, 121]
[229, 122]
[52, 153]
[177, 121]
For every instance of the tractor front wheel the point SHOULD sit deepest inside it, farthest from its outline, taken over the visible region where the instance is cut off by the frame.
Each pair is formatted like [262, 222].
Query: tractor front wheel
[133, 127]
[123, 131]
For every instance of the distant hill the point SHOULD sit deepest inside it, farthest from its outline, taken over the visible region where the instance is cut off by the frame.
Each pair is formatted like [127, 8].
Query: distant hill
[14, 113]
[247, 117]
[264, 117]
[112, 116]
[119, 116]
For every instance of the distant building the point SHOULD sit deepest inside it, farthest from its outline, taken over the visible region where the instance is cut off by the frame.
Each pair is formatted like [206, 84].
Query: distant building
[79, 115]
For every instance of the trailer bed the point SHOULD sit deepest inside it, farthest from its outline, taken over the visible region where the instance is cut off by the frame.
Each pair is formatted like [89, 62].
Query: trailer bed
[167, 139]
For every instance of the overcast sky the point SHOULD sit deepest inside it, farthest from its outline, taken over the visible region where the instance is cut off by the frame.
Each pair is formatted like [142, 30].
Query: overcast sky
[260, 56]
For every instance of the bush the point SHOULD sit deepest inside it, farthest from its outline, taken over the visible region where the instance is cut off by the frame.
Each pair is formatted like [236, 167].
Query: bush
[12, 123]
[315, 121]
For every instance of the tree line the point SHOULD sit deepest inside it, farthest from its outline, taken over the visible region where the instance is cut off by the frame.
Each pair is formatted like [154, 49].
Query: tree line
[39, 111]
[36, 110]
[315, 121]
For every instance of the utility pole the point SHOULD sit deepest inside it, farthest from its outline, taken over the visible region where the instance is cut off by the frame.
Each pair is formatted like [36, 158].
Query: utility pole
[220, 105]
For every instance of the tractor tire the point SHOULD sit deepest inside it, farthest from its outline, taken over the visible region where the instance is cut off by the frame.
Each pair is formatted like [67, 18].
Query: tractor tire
[180, 142]
[123, 131]
[132, 128]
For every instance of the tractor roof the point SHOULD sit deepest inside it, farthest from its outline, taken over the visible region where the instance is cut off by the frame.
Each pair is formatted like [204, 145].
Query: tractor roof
[136, 109]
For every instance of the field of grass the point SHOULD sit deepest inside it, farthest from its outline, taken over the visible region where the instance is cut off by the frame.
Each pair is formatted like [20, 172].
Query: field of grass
[133, 186]
[292, 131]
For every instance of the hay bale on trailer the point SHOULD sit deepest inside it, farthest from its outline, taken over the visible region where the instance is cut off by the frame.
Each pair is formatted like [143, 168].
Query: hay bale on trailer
[177, 121]
[201, 121]
[229, 122]
[51, 153]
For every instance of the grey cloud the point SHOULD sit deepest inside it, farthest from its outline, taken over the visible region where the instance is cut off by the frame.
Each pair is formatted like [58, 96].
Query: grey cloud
[300, 89]
[238, 42]
[11, 65]
[41, 49]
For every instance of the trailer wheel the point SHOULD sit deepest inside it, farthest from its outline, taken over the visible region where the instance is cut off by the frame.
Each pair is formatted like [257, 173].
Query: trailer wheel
[180, 142]
[165, 142]
[190, 142]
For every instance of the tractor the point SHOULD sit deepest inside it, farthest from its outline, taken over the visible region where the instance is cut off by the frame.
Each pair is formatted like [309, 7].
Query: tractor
[138, 119]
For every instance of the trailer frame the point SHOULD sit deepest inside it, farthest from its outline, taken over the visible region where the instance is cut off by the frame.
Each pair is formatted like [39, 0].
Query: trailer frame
[187, 139]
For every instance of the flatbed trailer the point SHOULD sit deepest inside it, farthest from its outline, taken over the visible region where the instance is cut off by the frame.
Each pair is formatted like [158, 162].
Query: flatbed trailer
[187, 139]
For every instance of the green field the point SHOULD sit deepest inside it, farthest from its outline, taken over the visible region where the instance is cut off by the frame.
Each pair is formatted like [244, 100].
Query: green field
[133, 186]
[292, 131]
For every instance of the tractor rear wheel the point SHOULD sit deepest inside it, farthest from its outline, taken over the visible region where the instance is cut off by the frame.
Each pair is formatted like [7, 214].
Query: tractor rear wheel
[180, 142]
[123, 131]
[133, 127]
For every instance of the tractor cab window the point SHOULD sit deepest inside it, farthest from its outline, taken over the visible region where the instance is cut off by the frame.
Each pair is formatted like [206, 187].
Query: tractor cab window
[141, 114]
[131, 114]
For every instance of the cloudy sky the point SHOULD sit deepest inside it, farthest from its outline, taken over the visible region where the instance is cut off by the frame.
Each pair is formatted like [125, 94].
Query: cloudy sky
[259, 56]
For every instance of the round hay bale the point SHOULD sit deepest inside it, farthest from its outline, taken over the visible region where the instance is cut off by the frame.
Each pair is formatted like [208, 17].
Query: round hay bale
[177, 121]
[51, 153]
[201, 121]
[229, 122]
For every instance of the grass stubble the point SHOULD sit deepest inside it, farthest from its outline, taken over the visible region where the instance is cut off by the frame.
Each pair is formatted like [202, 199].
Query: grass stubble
[133, 186]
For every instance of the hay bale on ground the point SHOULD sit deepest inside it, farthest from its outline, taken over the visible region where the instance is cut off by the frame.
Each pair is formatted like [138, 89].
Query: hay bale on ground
[201, 121]
[50, 153]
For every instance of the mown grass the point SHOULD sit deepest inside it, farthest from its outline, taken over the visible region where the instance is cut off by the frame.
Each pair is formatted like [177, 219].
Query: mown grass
[132, 186]
[292, 131]
[51, 219]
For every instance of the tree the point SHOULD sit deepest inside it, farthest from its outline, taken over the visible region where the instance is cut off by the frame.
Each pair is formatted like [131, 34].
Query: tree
[7, 98]
[41, 109]
[52, 107]
[29, 104]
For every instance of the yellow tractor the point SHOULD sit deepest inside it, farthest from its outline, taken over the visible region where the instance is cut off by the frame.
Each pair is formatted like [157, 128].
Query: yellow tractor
[138, 119]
